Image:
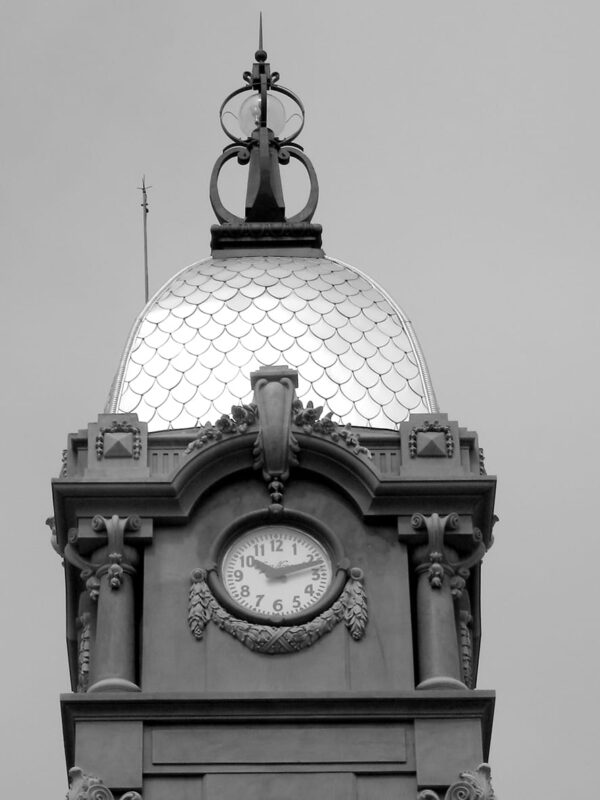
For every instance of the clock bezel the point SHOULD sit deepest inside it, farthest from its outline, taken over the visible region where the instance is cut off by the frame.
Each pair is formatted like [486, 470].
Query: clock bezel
[305, 523]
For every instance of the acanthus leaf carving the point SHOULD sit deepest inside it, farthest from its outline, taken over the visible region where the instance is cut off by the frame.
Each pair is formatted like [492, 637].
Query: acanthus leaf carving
[242, 417]
[89, 787]
[350, 607]
[200, 606]
[355, 605]
[310, 420]
[475, 785]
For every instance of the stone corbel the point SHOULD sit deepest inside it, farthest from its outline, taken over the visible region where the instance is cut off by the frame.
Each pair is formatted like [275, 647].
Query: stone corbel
[89, 787]
[443, 610]
[275, 447]
[476, 785]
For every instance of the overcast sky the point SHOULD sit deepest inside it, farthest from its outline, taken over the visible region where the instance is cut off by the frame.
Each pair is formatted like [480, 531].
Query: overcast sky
[456, 143]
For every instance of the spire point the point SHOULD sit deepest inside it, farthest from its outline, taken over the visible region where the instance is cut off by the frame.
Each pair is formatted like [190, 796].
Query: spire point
[261, 53]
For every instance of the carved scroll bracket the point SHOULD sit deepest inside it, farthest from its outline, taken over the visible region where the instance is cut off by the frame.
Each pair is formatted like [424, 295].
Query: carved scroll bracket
[437, 560]
[89, 787]
[476, 785]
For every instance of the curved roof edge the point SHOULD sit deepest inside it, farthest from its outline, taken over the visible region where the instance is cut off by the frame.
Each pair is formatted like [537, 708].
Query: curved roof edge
[112, 404]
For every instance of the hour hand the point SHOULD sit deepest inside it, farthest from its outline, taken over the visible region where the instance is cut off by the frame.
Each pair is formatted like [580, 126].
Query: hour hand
[266, 569]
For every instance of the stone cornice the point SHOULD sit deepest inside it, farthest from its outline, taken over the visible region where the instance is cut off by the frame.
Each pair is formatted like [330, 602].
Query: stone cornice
[172, 500]
[177, 708]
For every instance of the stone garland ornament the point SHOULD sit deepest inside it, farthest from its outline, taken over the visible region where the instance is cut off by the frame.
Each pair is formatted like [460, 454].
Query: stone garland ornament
[239, 421]
[120, 427]
[84, 624]
[482, 462]
[89, 787]
[64, 464]
[351, 607]
[465, 622]
[309, 419]
[275, 410]
[476, 785]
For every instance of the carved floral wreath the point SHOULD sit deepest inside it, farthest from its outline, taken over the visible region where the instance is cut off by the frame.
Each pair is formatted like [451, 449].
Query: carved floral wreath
[351, 607]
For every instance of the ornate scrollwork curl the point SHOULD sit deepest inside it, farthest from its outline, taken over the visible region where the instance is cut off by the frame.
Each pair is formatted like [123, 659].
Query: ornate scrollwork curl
[89, 787]
[476, 785]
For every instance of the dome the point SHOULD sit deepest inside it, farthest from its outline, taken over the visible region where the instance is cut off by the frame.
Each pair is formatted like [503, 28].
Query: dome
[190, 353]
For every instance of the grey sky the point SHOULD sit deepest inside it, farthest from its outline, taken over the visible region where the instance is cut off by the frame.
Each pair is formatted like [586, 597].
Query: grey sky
[456, 145]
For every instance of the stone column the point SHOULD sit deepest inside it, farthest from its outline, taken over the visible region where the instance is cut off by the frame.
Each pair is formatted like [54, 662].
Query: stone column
[438, 654]
[443, 617]
[113, 665]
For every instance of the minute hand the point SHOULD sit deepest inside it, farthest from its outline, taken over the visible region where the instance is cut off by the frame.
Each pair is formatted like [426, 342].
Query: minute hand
[289, 568]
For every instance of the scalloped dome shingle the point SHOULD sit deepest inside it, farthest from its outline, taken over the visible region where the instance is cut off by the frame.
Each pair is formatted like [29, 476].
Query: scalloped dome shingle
[191, 351]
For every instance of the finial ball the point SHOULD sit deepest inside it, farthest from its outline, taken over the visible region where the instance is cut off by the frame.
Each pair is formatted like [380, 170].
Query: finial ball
[260, 56]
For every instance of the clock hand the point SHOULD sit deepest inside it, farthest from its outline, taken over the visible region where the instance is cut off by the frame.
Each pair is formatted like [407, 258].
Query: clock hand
[266, 569]
[289, 568]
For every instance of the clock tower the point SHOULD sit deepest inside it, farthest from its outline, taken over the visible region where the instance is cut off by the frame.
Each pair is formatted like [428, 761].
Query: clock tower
[272, 536]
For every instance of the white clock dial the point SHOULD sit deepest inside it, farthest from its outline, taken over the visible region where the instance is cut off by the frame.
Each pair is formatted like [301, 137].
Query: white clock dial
[276, 570]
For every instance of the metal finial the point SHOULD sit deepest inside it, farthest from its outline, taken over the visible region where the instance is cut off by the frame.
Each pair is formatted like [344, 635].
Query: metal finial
[260, 54]
[262, 119]
[145, 211]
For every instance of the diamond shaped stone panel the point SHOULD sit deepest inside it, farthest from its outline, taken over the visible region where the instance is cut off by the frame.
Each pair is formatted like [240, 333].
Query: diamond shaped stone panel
[190, 353]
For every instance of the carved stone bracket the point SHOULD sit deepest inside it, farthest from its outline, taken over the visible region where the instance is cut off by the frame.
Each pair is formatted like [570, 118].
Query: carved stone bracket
[117, 563]
[476, 785]
[437, 561]
[351, 608]
[89, 787]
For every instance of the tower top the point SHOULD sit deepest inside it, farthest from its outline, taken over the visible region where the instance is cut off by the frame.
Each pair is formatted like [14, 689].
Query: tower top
[263, 129]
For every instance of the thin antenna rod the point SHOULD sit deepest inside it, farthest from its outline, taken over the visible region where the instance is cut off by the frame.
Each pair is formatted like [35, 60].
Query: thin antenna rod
[145, 210]
[260, 35]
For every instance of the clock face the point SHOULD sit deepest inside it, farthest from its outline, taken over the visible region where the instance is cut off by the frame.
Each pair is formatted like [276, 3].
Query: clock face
[276, 570]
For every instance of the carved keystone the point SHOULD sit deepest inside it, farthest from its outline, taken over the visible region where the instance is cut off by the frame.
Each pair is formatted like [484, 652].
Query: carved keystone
[275, 446]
